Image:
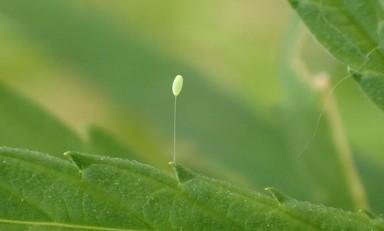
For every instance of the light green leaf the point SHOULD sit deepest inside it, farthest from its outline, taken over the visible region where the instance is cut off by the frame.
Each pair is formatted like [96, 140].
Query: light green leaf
[25, 125]
[41, 192]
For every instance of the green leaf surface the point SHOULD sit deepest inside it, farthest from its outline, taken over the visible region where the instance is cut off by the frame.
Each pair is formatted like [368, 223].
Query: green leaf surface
[373, 85]
[41, 192]
[139, 79]
[24, 124]
[350, 30]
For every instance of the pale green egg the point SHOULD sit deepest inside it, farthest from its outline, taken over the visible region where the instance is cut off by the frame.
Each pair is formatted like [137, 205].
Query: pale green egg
[177, 85]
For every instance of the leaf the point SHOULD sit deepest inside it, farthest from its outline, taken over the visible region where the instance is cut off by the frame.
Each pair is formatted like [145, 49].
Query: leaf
[41, 192]
[27, 125]
[350, 30]
[101, 142]
[371, 171]
[23, 124]
[373, 85]
[138, 77]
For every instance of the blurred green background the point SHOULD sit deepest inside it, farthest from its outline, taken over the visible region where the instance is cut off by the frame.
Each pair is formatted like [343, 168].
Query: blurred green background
[105, 69]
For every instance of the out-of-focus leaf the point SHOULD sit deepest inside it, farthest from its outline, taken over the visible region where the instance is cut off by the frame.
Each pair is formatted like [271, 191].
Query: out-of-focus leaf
[372, 172]
[381, 35]
[101, 142]
[350, 30]
[25, 125]
[100, 193]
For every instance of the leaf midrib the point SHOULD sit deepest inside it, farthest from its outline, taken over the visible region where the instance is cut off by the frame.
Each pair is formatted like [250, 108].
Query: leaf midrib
[62, 225]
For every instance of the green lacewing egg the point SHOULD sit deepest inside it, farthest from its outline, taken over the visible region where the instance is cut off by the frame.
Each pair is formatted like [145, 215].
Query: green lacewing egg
[177, 85]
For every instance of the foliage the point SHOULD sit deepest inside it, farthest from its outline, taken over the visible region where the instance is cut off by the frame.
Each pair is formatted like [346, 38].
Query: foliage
[220, 134]
[353, 32]
[42, 192]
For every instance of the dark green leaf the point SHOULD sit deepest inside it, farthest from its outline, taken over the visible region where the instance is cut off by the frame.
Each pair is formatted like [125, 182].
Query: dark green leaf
[41, 192]
[348, 29]
[373, 85]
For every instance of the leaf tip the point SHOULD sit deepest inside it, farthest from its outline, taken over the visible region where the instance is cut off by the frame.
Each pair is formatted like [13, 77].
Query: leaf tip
[355, 74]
[294, 3]
[182, 174]
[277, 195]
[77, 159]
